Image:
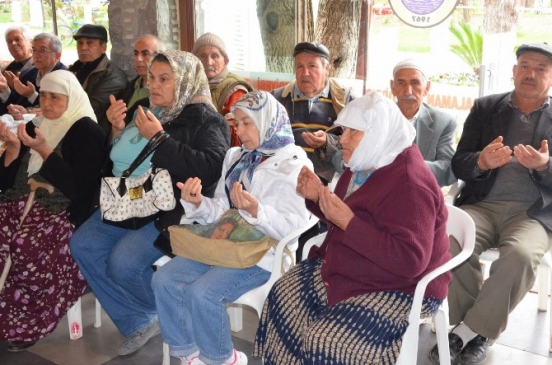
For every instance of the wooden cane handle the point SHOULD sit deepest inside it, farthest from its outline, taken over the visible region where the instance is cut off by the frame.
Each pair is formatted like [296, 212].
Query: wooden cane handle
[35, 185]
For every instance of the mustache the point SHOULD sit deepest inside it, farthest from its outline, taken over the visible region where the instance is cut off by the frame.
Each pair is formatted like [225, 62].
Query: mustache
[408, 97]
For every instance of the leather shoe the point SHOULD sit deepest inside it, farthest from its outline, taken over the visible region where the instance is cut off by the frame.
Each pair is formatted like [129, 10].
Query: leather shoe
[17, 346]
[455, 347]
[475, 351]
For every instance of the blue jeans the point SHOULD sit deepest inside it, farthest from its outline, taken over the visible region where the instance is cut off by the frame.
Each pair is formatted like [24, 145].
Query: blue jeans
[117, 263]
[191, 301]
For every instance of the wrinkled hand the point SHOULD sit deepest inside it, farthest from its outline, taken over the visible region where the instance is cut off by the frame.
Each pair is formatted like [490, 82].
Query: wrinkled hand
[148, 125]
[532, 159]
[38, 143]
[316, 139]
[11, 77]
[190, 191]
[116, 114]
[8, 136]
[334, 209]
[230, 118]
[494, 155]
[16, 111]
[308, 184]
[35, 110]
[243, 200]
[13, 144]
[24, 90]
[4, 82]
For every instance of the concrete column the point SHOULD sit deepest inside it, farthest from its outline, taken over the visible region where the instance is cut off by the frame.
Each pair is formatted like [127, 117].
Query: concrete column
[130, 19]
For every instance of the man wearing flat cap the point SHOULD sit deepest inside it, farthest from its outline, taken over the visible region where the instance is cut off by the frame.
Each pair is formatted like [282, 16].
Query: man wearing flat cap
[98, 76]
[313, 101]
[504, 158]
[226, 87]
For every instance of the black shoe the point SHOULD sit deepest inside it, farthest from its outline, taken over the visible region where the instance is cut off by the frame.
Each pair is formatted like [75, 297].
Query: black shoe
[17, 346]
[455, 347]
[475, 351]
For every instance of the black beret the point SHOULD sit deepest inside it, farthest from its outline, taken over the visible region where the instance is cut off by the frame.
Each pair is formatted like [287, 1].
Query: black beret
[312, 47]
[542, 48]
[91, 31]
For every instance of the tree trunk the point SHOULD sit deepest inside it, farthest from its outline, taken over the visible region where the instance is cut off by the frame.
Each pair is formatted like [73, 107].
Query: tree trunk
[337, 27]
[500, 16]
[277, 23]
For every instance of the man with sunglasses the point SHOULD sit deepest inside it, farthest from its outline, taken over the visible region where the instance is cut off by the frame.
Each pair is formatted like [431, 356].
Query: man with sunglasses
[46, 55]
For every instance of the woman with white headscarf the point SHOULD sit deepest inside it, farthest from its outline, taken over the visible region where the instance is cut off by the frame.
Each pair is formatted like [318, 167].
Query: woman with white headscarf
[191, 296]
[349, 302]
[64, 148]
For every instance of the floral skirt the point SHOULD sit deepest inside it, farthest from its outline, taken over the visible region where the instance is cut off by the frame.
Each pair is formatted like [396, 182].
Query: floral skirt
[297, 326]
[43, 281]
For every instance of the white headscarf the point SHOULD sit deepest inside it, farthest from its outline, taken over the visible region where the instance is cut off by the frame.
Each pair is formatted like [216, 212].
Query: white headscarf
[78, 106]
[386, 131]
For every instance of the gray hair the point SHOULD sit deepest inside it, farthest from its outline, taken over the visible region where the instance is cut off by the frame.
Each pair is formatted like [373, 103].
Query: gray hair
[159, 44]
[25, 31]
[54, 40]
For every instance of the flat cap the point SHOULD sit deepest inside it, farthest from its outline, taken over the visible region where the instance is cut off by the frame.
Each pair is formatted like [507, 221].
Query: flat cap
[315, 48]
[91, 31]
[409, 63]
[542, 48]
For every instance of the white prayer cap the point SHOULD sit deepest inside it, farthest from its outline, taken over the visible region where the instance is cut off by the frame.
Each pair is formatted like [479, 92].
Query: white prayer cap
[409, 63]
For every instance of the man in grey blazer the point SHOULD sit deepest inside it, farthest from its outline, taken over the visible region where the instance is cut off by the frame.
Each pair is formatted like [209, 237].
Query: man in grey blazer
[434, 129]
[504, 159]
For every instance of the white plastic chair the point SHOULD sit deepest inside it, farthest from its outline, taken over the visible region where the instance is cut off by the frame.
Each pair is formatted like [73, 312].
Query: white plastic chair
[254, 298]
[543, 276]
[461, 226]
[544, 273]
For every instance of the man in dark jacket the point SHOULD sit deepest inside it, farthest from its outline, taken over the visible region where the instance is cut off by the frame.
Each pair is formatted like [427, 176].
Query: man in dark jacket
[18, 39]
[98, 76]
[46, 50]
[137, 88]
[504, 158]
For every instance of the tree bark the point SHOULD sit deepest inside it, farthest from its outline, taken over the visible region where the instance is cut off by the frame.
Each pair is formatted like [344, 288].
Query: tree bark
[277, 23]
[337, 27]
[500, 16]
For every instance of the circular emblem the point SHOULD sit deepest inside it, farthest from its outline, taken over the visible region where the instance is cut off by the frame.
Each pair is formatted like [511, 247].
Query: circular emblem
[423, 13]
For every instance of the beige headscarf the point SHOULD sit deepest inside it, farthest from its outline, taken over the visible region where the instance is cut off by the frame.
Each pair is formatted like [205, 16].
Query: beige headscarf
[78, 106]
[386, 131]
[191, 85]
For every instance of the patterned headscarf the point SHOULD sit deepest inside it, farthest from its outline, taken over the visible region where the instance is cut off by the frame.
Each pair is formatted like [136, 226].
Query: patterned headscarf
[272, 121]
[191, 85]
[386, 131]
[78, 106]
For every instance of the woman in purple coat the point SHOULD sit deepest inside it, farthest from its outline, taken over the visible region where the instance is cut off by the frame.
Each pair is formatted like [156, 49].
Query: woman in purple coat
[349, 302]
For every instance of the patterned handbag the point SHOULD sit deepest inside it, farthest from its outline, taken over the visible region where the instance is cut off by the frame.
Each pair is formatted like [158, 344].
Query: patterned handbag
[230, 242]
[134, 202]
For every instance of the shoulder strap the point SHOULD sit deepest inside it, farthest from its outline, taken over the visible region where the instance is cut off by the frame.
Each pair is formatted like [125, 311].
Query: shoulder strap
[148, 149]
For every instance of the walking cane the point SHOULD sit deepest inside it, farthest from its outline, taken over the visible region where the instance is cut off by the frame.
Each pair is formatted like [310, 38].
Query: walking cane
[34, 185]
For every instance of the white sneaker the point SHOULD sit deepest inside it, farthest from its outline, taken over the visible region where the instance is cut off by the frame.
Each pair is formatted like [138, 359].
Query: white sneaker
[239, 358]
[194, 361]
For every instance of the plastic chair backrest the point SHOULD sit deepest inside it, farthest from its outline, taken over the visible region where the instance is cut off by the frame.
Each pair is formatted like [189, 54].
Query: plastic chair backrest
[461, 226]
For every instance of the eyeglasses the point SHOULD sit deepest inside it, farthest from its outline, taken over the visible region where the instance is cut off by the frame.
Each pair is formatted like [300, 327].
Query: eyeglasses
[41, 50]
